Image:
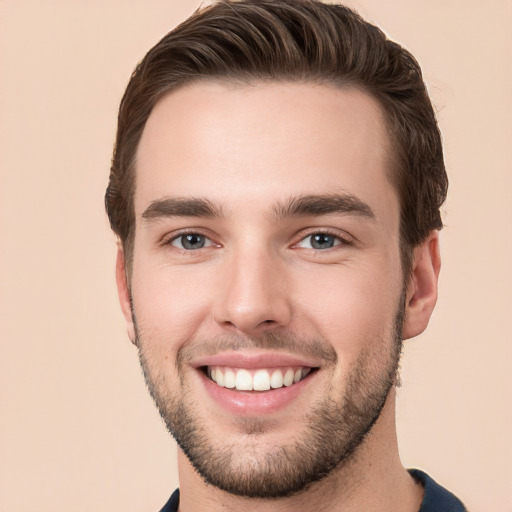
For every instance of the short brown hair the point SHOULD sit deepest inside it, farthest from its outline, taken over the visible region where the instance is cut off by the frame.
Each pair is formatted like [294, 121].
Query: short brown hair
[297, 40]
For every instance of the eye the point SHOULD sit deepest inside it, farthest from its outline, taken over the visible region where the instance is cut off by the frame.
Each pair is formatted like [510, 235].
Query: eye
[191, 242]
[321, 241]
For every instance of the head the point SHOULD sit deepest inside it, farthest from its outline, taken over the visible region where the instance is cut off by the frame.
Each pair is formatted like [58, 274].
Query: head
[298, 41]
[275, 186]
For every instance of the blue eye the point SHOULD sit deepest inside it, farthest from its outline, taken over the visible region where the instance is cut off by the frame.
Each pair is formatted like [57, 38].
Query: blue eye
[320, 241]
[191, 241]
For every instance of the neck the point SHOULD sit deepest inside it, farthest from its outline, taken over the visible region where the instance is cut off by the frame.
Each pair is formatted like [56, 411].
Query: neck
[373, 479]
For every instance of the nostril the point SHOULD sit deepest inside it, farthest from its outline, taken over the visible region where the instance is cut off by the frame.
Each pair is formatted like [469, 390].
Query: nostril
[251, 313]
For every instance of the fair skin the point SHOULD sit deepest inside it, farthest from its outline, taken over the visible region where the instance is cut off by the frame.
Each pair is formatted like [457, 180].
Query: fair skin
[254, 263]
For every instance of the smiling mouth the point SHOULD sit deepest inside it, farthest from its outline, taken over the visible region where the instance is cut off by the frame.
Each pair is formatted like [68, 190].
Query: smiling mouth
[263, 379]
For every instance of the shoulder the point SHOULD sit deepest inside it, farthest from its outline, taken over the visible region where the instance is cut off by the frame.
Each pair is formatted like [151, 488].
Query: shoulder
[172, 504]
[436, 498]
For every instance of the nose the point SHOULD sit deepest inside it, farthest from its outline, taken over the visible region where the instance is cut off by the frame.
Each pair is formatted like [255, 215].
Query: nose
[254, 295]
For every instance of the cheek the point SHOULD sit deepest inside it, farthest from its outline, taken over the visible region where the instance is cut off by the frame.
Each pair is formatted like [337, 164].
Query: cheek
[352, 310]
[168, 305]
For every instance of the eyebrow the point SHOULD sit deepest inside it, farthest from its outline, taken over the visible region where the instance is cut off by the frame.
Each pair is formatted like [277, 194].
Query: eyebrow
[307, 205]
[317, 205]
[181, 207]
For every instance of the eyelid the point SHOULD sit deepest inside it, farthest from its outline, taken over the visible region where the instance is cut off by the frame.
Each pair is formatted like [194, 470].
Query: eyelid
[207, 242]
[344, 238]
[167, 239]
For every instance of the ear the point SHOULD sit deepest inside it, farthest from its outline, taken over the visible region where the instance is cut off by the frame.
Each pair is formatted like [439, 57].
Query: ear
[123, 291]
[421, 296]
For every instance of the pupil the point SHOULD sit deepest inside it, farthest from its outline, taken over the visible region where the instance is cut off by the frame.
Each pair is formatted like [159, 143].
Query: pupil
[193, 241]
[322, 241]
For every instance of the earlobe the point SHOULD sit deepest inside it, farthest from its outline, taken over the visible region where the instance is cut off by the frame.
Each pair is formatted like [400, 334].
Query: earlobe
[123, 291]
[421, 293]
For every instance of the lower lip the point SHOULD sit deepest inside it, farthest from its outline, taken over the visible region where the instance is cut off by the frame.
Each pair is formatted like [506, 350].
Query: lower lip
[255, 403]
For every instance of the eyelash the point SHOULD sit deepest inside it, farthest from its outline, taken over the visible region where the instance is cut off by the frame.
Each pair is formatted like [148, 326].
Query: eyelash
[169, 241]
[341, 240]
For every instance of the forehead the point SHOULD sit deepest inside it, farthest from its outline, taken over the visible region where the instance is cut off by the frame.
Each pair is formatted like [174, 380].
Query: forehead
[261, 142]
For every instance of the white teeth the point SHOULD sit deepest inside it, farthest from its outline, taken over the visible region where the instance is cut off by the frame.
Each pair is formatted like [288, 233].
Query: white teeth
[257, 380]
[243, 380]
[261, 381]
[229, 379]
[288, 377]
[276, 380]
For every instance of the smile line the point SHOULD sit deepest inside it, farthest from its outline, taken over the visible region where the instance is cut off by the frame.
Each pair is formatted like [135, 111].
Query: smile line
[262, 379]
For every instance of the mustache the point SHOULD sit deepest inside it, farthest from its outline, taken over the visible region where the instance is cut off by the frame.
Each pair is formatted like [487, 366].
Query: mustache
[309, 347]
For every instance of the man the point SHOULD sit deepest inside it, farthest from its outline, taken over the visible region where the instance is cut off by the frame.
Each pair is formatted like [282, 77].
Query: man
[275, 188]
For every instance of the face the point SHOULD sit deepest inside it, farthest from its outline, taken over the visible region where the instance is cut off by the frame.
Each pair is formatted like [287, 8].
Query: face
[266, 286]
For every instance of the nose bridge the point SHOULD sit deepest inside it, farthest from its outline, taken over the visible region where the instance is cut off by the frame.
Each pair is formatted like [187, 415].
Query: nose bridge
[254, 293]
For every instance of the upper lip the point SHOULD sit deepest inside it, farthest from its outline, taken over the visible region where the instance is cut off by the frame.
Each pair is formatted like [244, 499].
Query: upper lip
[252, 360]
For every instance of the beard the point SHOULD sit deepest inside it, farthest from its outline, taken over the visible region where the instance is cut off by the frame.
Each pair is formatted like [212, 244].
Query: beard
[331, 432]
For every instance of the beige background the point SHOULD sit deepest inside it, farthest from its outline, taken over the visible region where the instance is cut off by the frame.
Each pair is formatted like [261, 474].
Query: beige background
[78, 432]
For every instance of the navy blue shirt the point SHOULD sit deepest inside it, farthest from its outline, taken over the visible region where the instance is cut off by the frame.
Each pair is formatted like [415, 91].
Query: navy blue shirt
[435, 499]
